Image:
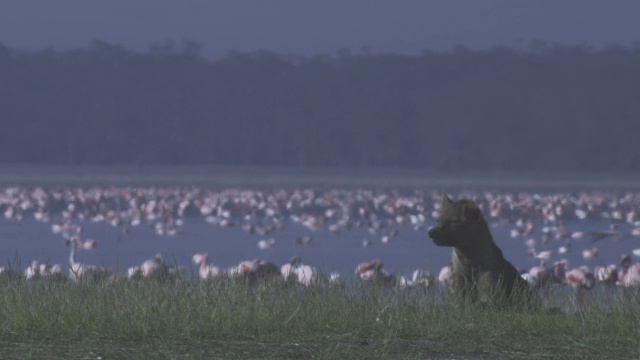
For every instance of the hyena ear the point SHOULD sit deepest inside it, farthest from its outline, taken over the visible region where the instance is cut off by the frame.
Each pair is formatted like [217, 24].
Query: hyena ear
[445, 199]
[471, 213]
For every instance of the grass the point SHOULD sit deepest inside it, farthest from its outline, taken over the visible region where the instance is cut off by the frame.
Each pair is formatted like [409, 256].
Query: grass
[232, 319]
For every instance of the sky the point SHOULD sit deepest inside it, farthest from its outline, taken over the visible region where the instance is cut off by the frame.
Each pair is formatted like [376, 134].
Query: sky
[324, 26]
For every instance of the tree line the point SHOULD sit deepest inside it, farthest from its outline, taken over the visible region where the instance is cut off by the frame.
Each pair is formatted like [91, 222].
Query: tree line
[549, 107]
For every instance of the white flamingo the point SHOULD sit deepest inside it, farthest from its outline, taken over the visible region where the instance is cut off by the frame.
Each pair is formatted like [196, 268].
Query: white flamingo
[205, 270]
[629, 274]
[538, 275]
[418, 277]
[134, 272]
[631, 277]
[444, 275]
[154, 267]
[607, 275]
[265, 244]
[79, 271]
[32, 271]
[46, 270]
[589, 254]
[542, 255]
[303, 274]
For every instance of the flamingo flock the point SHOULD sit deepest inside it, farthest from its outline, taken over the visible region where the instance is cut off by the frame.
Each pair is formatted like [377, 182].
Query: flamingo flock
[536, 220]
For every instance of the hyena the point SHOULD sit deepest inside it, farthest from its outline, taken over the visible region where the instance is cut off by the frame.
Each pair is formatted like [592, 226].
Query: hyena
[479, 271]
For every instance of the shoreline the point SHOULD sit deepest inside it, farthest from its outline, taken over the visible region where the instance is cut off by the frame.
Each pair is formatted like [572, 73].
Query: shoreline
[278, 176]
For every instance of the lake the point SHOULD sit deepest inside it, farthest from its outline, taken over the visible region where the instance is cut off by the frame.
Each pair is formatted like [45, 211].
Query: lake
[390, 209]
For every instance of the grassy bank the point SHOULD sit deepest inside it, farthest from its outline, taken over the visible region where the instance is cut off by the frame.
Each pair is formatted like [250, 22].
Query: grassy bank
[225, 319]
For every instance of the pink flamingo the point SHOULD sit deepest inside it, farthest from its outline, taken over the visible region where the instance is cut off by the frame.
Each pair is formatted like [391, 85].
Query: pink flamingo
[246, 267]
[206, 271]
[582, 280]
[254, 269]
[372, 271]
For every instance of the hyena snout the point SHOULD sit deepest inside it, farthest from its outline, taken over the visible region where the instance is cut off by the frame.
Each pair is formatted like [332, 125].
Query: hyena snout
[437, 235]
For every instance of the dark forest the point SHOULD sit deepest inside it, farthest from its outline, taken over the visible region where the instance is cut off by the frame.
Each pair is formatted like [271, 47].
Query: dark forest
[548, 108]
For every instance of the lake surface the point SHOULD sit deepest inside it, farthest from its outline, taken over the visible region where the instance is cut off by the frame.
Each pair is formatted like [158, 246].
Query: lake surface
[410, 249]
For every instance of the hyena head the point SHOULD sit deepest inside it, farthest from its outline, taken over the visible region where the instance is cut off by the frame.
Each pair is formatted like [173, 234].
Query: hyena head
[459, 223]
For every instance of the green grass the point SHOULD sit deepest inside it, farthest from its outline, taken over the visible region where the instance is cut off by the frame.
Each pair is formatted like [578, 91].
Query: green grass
[228, 319]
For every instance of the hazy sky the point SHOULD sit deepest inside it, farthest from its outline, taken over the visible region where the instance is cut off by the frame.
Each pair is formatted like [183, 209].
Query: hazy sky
[322, 26]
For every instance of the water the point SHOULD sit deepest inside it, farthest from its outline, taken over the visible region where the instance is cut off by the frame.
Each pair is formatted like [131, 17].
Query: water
[411, 249]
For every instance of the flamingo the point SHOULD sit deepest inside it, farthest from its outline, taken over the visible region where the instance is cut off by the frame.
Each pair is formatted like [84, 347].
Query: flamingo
[32, 271]
[581, 214]
[206, 271]
[580, 279]
[334, 277]
[79, 271]
[421, 277]
[632, 276]
[304, 274]
[254, 269]
[288, 269]
[444, 275]
[589, 254]
[565, 248]
[372, 271]
[629, 275]
[542, 255]
[538, 275]
[266, 244]
[607, 275]
[529, 229]
[50, 270]
[134, 272]
[154, 267]
[625, 264]
[245, 268]
[530, 279]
